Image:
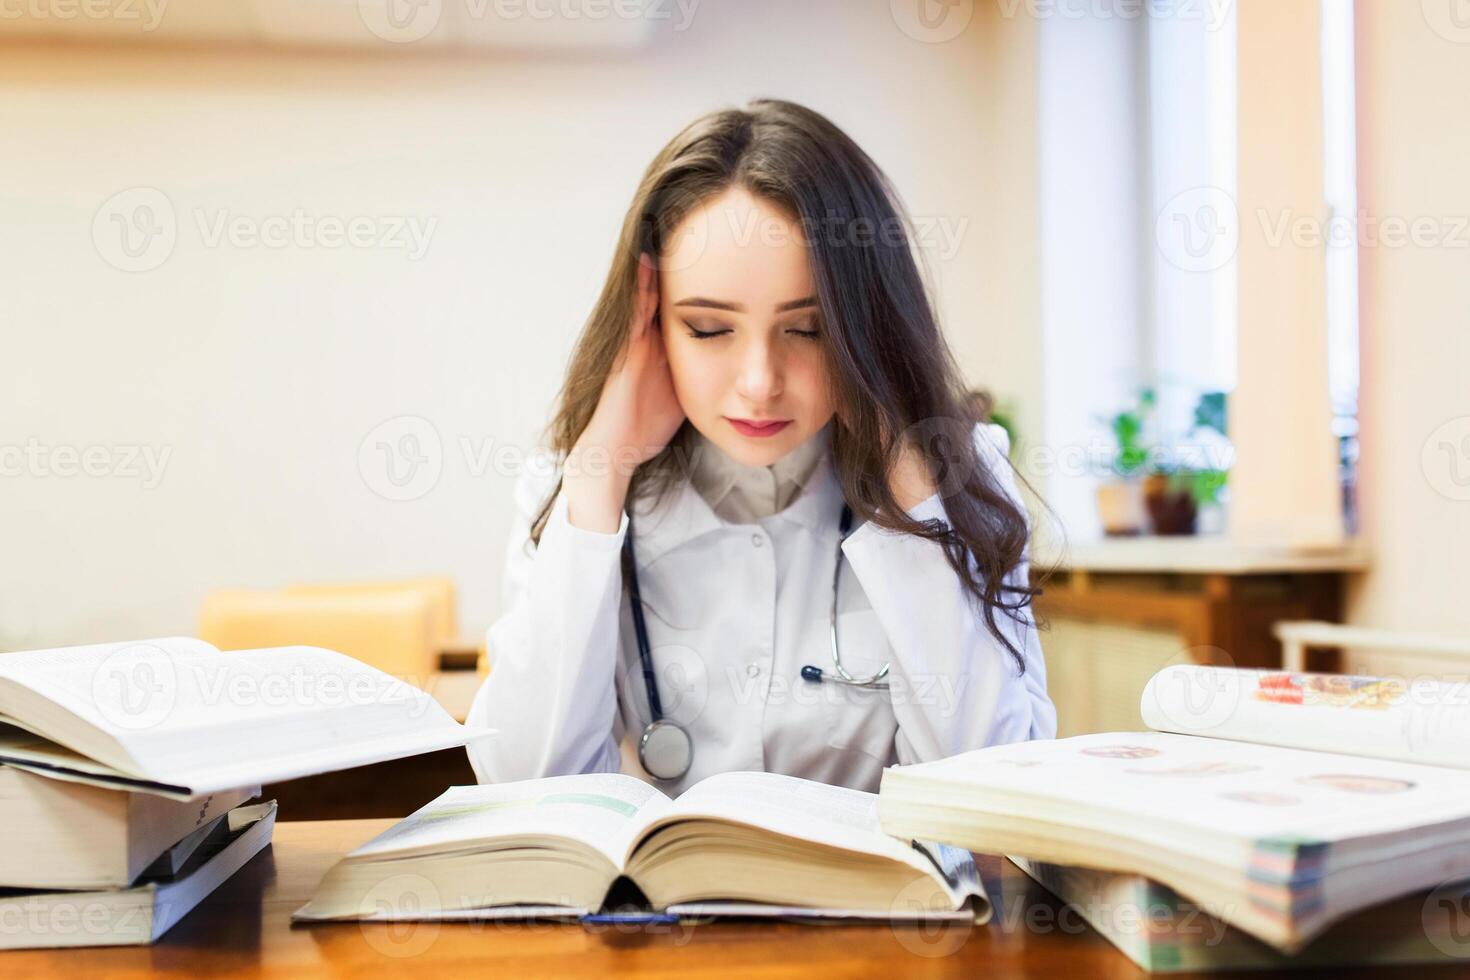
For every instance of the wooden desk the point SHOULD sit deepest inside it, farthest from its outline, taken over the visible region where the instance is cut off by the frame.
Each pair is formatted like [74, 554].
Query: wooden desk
[244, 929]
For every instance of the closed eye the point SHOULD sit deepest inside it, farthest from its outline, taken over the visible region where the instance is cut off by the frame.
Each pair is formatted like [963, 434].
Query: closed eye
[699, 334]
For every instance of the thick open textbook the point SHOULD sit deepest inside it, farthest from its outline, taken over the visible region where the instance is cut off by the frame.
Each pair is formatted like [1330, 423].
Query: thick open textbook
[179, 718]
[1281, 841]
[559, 844]
[137, 916]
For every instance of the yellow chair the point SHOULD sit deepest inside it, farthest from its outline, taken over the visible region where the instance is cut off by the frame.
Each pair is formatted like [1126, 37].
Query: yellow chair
[399, 630]
[438, 590]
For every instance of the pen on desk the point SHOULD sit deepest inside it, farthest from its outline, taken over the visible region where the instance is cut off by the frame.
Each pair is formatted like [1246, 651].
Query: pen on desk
[629, 918]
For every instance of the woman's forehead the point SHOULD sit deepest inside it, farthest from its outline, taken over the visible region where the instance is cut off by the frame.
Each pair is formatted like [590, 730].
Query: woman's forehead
[737, 248]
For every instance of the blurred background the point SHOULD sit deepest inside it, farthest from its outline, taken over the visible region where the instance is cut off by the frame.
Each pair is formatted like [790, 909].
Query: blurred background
[289, 287]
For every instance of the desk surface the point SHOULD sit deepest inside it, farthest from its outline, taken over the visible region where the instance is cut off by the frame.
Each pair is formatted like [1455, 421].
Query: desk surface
[244, 929]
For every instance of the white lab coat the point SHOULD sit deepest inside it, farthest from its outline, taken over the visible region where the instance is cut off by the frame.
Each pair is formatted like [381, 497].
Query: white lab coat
[733, 612]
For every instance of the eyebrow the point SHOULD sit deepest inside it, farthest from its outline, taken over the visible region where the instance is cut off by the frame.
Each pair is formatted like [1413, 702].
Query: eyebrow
[716, 304]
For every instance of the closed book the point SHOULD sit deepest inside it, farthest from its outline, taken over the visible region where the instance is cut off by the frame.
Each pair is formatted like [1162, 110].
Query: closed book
[139, 915]
[63, 834]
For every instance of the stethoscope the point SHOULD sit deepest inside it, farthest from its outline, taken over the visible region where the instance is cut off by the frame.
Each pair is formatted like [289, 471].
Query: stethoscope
[665, 748]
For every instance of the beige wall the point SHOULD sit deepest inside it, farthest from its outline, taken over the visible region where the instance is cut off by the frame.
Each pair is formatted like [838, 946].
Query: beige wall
[1284, 484]
[261, 370]
[1414, 163]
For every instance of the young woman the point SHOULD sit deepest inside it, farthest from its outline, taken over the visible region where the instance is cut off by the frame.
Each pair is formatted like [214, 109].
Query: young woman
[778, 540]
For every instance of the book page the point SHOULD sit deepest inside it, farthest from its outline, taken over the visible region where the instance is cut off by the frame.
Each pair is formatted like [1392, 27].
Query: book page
[183, 713]
[1423, 720]
[603, 810]
[799, 808]
[1188, 787]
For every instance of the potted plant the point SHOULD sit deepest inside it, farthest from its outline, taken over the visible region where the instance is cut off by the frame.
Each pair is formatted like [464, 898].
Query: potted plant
[1190, 479]
[1120, 497]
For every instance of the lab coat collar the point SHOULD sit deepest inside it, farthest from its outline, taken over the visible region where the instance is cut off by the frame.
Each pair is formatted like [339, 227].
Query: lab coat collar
[687, 515]
[767, 489]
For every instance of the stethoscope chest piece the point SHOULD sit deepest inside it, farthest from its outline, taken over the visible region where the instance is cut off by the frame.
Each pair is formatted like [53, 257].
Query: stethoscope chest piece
[665, 750]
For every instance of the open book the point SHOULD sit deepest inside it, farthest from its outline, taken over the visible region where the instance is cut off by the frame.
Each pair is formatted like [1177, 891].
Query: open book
[179, 718]
[559, 844]
[1280, 841]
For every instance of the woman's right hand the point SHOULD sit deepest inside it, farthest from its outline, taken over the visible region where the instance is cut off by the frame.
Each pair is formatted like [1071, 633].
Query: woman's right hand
[637, 414]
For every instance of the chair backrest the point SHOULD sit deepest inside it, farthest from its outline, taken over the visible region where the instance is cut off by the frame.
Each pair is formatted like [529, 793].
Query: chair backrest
[396, 631]
[1298, 636]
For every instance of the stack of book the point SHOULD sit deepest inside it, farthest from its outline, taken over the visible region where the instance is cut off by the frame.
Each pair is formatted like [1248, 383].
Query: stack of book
[1277, 804]
[127, 771]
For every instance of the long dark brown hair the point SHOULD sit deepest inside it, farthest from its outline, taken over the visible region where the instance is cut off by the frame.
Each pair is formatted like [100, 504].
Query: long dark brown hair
[892, 376]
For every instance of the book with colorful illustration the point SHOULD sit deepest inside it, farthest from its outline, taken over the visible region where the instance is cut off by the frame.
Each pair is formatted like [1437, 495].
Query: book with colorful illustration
[1281, 802]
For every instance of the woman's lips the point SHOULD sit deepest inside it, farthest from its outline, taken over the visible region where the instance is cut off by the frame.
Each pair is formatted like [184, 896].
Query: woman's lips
[758, 429]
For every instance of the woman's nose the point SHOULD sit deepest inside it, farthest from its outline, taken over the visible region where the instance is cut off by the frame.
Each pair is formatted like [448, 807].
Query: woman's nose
[760, 373]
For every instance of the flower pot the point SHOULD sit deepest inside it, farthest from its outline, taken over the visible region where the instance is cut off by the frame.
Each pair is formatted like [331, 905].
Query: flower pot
[1120, 507]
[1170, 511]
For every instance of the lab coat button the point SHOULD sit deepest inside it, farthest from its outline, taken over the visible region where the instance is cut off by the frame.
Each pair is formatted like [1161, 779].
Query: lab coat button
[752, 669]
[757, 540]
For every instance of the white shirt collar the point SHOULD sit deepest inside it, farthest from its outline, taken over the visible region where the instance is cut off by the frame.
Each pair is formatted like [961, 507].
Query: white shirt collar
[742, 494]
